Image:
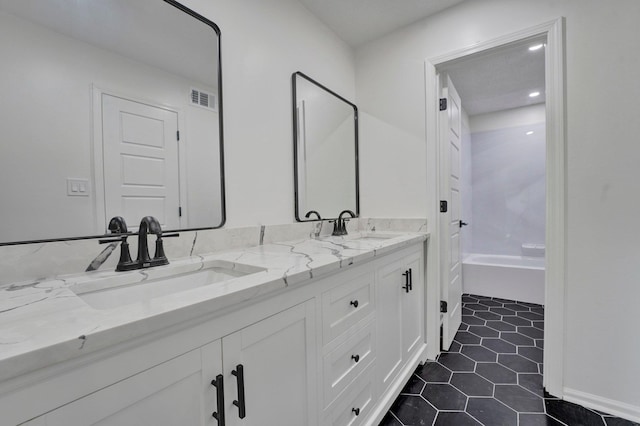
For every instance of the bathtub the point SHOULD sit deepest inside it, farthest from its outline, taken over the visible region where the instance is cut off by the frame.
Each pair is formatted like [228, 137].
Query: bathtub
[507, 277]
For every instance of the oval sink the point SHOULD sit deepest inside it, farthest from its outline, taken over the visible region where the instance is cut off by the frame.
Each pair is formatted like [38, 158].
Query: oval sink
[113, 292]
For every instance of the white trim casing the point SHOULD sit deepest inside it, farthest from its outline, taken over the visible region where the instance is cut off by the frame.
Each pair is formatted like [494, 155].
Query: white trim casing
[556, 214]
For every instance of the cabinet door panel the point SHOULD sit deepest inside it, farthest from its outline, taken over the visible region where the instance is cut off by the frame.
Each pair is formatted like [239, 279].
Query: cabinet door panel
[168, 394]
[278, 359]
[412, 312]
[389, 322]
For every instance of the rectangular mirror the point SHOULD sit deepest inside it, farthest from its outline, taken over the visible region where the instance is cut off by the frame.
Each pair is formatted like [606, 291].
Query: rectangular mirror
[109, 108]
[325, 145]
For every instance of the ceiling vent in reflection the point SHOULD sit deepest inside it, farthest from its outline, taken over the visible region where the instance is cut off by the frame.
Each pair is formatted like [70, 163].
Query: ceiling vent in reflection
[203, 99]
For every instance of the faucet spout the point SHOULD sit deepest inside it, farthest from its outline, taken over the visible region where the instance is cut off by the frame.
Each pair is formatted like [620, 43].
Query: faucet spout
[148, 225]
[312, 212]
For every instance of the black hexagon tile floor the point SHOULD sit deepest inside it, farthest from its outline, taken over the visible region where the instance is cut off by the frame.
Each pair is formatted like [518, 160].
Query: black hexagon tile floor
[491, 376]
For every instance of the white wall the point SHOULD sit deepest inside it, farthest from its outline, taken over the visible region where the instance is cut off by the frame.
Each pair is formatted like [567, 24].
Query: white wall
[508, 181]
[603, 255]
[263, 43]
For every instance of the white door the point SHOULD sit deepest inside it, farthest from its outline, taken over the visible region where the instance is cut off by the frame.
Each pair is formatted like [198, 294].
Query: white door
[277, 361]
[450, 143]
[140, 155]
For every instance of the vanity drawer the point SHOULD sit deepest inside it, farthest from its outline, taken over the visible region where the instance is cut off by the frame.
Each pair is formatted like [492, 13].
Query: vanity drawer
[355, 403]
[345, 305]
[344, 363]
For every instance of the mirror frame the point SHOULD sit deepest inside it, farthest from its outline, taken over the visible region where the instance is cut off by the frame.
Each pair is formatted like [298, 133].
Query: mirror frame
[295, 144]
[223, 215]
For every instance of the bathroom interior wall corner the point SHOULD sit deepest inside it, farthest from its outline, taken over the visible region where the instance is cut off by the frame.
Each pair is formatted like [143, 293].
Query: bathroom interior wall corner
[263, 43]
[601, 161]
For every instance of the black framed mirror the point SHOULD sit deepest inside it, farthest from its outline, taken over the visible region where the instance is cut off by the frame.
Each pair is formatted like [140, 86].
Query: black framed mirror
[109, 108]
[325, 147]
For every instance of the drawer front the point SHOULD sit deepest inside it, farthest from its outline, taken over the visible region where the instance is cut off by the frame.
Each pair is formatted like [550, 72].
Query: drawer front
[346, 304]
[343, 364]
[355, 404]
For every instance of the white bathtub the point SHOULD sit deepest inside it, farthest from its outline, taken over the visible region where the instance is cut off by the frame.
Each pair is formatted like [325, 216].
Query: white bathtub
[507, 277]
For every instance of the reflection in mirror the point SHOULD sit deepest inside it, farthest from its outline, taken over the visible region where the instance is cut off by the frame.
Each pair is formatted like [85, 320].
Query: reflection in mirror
[325, 143]
[109, 108]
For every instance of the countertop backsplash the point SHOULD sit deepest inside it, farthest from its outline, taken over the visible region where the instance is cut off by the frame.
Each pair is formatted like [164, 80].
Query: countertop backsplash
[35, 262]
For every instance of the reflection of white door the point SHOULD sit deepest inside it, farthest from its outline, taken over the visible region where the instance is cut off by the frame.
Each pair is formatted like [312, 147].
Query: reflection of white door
[140, 155]
[450, 139]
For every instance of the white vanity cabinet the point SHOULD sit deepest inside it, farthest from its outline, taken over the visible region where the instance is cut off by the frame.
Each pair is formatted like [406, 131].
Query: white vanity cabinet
[400, 314]
[332, 351]
[264, 369]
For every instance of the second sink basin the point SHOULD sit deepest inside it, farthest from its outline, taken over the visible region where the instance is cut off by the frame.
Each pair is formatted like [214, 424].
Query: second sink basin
[114, 292]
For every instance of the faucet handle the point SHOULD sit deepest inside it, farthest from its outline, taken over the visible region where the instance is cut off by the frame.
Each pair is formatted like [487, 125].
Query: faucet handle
[159, 257]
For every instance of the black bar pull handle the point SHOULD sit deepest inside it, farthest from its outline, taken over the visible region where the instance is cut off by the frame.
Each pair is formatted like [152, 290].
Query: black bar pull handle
[354, 303]
[240, 403]
[219, 385]
[410, 279]
[406, 285]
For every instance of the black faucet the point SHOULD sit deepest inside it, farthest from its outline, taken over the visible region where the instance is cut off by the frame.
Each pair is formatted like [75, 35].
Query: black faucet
[148, 224]
[310, 212]
[339, 225]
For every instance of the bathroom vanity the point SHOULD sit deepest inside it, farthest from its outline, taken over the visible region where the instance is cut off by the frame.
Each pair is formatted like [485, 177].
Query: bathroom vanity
[310, 332]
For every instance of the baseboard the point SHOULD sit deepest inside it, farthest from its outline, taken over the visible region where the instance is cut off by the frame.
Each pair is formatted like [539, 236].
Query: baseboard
[609, 406]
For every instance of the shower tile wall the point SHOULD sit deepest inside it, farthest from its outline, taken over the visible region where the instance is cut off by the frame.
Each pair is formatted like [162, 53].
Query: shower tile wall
[507, 188]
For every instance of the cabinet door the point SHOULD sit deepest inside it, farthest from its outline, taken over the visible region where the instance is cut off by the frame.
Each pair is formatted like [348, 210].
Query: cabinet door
[169, 394]
[412, 307]
[389, 322]
[277, 357]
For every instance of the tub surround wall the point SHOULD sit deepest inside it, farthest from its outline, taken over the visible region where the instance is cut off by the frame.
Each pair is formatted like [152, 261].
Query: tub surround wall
[508, 185]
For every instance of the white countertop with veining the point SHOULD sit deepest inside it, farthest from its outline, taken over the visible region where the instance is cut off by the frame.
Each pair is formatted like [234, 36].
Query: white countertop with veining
[45, 322]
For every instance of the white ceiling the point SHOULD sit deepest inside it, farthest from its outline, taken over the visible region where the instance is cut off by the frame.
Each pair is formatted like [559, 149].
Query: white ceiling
[359, 21]
[499, 79]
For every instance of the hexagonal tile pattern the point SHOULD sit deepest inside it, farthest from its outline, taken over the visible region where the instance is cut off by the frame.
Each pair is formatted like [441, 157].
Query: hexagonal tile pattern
[479, 353]
[472, 384]
[519, 399]
[518, 363]
[457, 362]
[496, 373]
[444, 397]
[491, 375]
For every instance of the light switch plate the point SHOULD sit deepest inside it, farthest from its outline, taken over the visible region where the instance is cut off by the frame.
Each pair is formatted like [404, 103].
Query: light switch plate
[78, 187]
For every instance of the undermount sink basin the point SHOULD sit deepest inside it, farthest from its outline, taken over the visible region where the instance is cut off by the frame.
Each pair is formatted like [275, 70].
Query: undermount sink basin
[114, 292]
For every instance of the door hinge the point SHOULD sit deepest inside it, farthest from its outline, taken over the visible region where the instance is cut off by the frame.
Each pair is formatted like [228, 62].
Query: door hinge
[179, 211]
[443, 206]
[443, 104]
[443, 307]
[178, 135]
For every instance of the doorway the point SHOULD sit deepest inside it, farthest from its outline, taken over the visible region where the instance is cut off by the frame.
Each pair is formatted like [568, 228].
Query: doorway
[445, 275]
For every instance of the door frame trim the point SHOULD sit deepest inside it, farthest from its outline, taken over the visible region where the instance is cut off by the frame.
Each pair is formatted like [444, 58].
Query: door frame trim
[556, 193]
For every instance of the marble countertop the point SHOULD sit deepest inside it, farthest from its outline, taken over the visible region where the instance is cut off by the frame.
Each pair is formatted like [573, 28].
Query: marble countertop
[46, 322]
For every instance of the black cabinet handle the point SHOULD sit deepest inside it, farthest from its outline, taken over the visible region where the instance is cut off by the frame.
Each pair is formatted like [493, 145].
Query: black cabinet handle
[219, 385]
[410, 279]
[406, 285]
[356, 411]
[240, 403]
[354, 303]
[356, 358]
